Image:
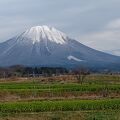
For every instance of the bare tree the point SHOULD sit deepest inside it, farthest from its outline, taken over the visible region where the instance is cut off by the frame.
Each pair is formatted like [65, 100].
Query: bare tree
[80, 74]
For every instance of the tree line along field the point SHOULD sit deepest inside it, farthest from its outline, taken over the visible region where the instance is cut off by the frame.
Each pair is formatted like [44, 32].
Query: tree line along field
[60, 98]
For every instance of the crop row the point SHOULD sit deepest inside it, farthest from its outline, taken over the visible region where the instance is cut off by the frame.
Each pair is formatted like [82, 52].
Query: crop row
[65, 105]
[59, 87]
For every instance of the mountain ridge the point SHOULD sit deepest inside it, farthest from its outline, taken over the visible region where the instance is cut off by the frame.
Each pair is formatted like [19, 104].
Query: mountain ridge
[47, 46]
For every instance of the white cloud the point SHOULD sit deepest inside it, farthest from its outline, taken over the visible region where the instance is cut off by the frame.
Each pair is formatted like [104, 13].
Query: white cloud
[79, 10]
[106, 40]
[114, 24]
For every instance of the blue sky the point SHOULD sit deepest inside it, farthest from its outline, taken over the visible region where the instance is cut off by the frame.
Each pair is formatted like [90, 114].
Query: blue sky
[95, 23]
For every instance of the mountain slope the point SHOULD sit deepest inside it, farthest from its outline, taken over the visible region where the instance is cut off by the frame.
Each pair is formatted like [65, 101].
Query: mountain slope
[114, 52]
[46, 46]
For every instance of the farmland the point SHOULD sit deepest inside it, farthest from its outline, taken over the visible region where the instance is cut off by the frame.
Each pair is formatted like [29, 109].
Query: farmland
[60, 98]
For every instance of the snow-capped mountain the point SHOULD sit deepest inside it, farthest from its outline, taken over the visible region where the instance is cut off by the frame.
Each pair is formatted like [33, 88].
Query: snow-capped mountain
[46, 46]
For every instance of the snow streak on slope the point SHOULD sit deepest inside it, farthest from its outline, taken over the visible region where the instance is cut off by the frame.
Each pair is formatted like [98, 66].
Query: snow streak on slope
[74, 58]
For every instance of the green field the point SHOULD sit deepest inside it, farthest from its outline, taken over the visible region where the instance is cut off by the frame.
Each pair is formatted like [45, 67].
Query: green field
[97, 98]
[64, 105]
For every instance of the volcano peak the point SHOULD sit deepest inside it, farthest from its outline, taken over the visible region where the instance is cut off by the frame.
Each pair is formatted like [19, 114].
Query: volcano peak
[39, 33]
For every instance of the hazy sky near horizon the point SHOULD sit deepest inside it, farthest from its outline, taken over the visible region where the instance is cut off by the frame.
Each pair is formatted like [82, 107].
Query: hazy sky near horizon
[95, 23]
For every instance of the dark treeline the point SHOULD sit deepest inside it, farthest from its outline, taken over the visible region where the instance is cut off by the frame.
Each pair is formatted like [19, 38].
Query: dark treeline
[22, 71]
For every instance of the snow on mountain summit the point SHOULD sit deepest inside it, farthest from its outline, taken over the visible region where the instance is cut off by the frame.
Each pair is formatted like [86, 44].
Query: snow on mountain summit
[38, 33]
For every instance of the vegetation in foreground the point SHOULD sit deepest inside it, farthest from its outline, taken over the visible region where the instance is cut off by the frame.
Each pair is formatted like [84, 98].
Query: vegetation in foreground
[61, 98]
[64, 105]
[68, 115]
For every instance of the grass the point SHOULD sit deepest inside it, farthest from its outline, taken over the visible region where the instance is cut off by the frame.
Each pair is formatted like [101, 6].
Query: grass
[64, 105]
[69, 115]
[57, 87]
[33, 99]
[41, 91]
[90, 79]
[36, 90]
